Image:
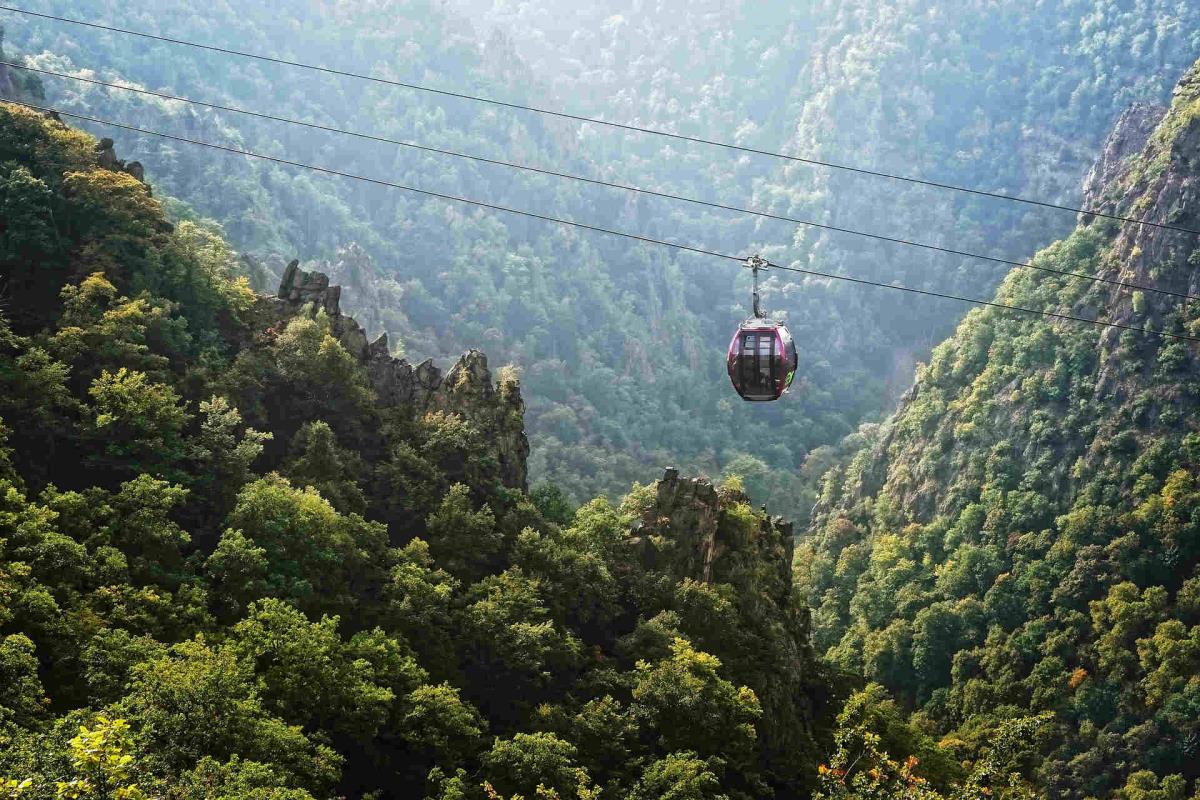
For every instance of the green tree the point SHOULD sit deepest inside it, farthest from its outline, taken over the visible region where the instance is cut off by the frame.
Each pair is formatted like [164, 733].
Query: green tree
[28, 239]
[531, 763]
[200, 701]
[101, 758]
[679, 776]
[224, 451]
[438, 721]
[138, 424]
[316, 460]
[1145, 785]
[422, 605]
[508, 620]
[306, 674]
[1120, 619]
[316, 558]
[235, 778]
[463, 541]
[22, 698]
[684, 698]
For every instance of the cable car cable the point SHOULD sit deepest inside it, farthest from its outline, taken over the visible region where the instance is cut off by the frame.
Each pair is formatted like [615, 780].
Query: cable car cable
[607, 184]
[598, 121]
[597, 228]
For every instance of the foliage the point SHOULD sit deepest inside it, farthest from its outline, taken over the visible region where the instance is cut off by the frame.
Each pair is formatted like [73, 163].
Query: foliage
[618, 343]
[1020, 538]
[101, 757]
[227, 572]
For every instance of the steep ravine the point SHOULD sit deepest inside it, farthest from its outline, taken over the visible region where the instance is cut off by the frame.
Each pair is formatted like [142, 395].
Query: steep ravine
[245, 551]
[1023, 534]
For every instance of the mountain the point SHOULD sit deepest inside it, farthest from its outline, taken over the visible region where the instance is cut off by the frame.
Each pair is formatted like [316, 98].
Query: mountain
[246, 551]
[1021, 536]
[618, 344]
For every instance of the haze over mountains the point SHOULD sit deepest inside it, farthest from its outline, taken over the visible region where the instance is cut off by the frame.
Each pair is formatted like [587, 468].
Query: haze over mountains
[614, 340]
[250, 547]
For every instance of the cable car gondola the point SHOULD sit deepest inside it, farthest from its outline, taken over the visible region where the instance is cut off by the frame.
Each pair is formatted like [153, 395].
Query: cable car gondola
[762, 357]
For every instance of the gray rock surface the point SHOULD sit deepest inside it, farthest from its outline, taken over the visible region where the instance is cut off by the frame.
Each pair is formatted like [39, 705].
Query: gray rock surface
[467, 389]
[688, 533]
[1128, 137]
[106, 156]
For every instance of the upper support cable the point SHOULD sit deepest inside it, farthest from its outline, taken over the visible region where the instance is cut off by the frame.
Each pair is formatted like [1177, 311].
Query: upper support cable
[599, 121]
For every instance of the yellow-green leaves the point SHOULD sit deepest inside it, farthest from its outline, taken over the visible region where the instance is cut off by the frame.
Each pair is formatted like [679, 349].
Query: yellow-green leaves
[103, 763]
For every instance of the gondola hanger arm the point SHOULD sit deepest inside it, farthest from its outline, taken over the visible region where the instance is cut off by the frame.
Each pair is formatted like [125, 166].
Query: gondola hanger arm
[754, 263]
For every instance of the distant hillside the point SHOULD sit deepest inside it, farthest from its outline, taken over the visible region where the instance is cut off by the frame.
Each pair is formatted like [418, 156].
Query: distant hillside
[1023, 535]
[619, 344]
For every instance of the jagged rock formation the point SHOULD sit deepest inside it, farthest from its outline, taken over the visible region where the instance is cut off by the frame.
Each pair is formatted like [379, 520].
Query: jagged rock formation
[467, 389]
[298, 286]
[691, 530]
[686, 514]
[107, 158]
[1160, 185]
[373, 300]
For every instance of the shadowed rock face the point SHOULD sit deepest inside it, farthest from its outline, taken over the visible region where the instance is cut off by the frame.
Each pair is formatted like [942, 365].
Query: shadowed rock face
[690, 532]
[689, 529]
[1128, 137]
[467, 389]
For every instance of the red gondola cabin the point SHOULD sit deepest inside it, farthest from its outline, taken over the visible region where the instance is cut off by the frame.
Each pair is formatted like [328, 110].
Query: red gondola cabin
[762, 360]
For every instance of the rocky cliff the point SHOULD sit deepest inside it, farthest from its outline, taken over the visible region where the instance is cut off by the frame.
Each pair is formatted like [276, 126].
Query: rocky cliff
[466, 389]
[690, 530]
[1147, 170]
[1129, 135]
[688, 533]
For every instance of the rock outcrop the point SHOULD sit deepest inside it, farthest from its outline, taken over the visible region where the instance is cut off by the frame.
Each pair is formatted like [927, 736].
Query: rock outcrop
[496, 409]
[367, 293]
[1128, 137]
[692, 530]
[107, 158]
[298, 286]
[1160, 185]
[467, 389]
[689, 529]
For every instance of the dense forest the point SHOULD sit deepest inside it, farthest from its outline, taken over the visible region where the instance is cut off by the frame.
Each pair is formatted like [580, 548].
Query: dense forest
[247, 553]
[254, 545]
[1022, 537]
[613, 340]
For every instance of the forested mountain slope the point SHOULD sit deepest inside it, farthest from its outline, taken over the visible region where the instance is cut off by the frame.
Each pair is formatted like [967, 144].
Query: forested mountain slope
[615, 341]
[247, 553]
[1014, 97]
[1022, 535]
